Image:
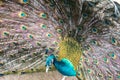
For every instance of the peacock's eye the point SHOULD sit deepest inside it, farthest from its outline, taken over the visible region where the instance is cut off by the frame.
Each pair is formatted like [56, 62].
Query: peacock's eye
[22, 14]
[30, 36]
[23, 61]
[81, 59]
[87, 60]
[78, 73]
[114, 41]
[118, 76]
[109, 77]
[94, 42]
[5, 33]
[107, 22]
[23, 27]
[112, 55]
[61, 21]
[15, 43]
[79, 28]
[25, 1]
[100, 75]
[79, 38]
[49, 35]
[43, 15]
[105, 59]
[89, 71]
[55, 42]
[85, 15]
[43, 26]
[95, 61]
[38, 43]
[59, 30]
[94, 30]
[12, 56]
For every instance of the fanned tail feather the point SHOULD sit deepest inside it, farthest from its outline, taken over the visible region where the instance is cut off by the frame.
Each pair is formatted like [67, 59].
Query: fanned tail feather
[26, 32]
[32, 29]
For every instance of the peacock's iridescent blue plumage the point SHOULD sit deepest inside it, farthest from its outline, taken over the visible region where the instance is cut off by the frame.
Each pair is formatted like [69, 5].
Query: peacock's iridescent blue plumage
[64, 66]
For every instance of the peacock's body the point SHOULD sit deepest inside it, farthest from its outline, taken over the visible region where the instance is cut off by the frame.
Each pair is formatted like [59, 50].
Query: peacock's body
[84, 34]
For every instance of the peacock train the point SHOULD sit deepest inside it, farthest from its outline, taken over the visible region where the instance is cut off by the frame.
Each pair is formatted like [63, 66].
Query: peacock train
[79, 38]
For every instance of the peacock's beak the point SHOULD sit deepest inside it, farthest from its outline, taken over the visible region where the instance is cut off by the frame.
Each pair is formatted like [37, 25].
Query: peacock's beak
[47, 68]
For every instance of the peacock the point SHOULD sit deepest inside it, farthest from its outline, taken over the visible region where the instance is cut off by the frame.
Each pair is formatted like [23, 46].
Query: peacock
[79, 37]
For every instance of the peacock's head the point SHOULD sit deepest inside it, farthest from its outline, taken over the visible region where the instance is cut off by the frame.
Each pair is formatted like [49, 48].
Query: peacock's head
[49, 61]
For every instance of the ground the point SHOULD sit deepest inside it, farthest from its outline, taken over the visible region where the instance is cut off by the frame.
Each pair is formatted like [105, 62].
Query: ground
[52, 75]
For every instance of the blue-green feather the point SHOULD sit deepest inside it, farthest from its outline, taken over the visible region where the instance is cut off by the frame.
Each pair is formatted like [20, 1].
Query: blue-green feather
[64, 66]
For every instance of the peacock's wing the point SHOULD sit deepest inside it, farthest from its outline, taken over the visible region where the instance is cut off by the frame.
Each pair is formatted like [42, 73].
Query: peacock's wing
[27, 32]
[99, 36]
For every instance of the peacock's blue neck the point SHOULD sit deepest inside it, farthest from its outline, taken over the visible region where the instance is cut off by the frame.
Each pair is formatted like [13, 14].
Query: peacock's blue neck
[65, 67]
